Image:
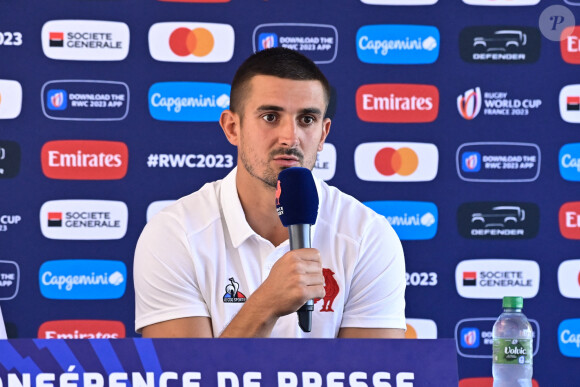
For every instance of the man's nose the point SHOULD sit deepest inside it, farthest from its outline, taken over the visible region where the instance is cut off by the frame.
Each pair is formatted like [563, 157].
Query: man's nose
[289, 134]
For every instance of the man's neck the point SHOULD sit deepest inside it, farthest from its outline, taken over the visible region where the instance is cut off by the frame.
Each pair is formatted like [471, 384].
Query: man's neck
[259, 205]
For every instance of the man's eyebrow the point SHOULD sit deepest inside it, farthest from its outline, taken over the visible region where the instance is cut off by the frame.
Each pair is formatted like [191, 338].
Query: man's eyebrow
[315, 111]
[270, 108]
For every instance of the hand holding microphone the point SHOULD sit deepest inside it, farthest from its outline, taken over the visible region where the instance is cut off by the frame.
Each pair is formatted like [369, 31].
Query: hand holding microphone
[297, 205]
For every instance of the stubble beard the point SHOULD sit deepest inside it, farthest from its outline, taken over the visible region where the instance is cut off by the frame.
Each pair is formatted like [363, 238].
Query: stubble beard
[270, 177]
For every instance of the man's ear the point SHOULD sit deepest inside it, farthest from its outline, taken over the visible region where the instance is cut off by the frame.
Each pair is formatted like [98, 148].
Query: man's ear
[325, 131]
[230, 123]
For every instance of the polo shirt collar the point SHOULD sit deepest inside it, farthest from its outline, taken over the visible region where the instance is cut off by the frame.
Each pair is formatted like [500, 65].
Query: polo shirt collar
[238, 226]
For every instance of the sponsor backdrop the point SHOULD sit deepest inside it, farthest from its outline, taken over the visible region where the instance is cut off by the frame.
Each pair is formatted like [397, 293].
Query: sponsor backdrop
[457, 120]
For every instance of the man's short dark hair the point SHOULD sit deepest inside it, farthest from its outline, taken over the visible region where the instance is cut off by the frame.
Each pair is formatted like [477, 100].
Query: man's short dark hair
[278, 62]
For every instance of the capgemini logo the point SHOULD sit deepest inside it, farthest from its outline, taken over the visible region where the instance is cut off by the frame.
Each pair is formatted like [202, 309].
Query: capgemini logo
[469, 104]
[430, 43]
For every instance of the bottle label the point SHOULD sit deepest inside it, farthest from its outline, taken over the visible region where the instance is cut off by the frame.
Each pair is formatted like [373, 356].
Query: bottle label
[512, 351]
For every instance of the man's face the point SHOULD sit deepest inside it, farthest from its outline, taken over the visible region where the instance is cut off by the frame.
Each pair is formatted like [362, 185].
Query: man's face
[282, 126]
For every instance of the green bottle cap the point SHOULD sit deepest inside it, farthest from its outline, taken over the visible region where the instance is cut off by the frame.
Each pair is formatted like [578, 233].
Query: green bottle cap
[513, 302]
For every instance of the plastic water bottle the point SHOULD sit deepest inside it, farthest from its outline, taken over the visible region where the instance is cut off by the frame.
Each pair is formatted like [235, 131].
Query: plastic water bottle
[512, 346]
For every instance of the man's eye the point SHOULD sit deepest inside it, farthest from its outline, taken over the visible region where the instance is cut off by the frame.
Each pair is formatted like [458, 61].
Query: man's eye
[269, 117]
[307, 120]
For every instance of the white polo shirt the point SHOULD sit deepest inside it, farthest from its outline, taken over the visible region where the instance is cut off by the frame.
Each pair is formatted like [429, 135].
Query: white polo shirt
[199, 257]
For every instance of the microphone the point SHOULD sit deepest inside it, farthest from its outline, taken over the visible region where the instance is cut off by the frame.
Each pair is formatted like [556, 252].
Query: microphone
[297, 206]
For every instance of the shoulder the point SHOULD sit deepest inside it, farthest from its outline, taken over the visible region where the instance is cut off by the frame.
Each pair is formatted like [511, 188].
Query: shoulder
[190, 213]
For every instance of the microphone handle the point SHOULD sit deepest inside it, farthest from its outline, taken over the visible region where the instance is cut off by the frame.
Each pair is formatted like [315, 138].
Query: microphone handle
[299, 239]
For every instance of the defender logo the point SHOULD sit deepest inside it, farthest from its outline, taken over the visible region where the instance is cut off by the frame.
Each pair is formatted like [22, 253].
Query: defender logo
[500, 44]
[10, 156]
[495, 220]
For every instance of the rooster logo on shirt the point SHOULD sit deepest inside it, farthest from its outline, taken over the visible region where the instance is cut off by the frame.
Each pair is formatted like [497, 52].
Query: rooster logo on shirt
[232, 293]
[331, 288]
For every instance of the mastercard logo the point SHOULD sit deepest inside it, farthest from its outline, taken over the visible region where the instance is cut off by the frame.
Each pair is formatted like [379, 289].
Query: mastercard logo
[198, 42]
[396, 161]
[191, 42]
[390, 161]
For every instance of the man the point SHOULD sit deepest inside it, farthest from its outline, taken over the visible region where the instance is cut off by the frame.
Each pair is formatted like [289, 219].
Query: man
[217, 263]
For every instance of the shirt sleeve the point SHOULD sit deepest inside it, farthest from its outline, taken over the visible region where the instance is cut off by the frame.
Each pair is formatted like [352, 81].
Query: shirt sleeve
[163, 271]
[377, 292]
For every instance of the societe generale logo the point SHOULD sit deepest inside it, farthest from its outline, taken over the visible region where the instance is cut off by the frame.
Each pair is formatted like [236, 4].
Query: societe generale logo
[84, 160]
[569, 220]
[397, 103]
[84, 219]
[81, 329]
[570, 44]
[569, 278]
[191, 42]
[569, 101]
[86, 40]
[396, 161]
[496, 278]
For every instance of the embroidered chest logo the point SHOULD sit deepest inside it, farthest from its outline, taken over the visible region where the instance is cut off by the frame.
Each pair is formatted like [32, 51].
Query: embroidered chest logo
[232, 293]
[331, 288]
